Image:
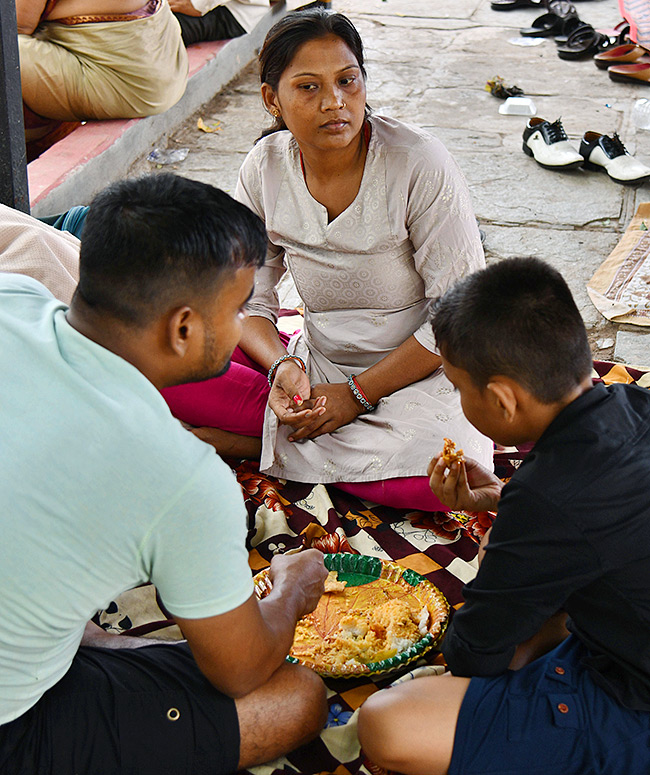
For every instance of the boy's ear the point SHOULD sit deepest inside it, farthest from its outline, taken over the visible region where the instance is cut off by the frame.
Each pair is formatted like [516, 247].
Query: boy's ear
[504, 395]
[182, 329]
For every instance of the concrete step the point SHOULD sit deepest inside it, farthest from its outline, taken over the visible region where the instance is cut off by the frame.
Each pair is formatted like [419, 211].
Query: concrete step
[77, 167]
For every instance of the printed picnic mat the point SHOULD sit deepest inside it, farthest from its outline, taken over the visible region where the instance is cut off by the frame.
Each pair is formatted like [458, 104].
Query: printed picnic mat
[284, 516]
[287, 515]
[620, 287]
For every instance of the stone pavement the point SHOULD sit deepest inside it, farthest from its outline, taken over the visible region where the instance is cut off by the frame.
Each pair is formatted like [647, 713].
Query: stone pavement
[428, 62]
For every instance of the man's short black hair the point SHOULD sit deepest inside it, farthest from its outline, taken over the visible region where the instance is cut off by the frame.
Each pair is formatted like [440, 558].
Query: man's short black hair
[155, 241]
[518, 319]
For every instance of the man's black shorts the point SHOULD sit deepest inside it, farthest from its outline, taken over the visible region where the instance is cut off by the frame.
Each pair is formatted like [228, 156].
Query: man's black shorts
[126, 712]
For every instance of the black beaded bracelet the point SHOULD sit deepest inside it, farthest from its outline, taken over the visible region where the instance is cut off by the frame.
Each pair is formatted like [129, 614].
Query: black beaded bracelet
[358, 394]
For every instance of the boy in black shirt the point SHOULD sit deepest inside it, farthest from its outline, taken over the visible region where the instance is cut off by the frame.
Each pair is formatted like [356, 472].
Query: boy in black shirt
[570, 548]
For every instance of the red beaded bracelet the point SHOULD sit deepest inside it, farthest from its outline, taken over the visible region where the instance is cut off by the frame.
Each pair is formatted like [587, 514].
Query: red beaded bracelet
[359, 394]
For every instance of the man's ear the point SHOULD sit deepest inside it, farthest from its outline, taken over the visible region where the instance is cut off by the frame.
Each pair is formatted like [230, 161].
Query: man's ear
[183, 327]
[503, 392]
[270, 100]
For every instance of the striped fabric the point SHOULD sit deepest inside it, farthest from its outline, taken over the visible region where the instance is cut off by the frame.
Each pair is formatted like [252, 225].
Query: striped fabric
[637, 13]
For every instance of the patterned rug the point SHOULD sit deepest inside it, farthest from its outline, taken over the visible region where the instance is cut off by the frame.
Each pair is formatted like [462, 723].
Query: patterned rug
[620, 287]
[288, 515]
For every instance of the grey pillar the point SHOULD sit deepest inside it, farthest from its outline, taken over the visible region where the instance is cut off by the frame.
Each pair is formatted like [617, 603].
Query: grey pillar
[13, 162]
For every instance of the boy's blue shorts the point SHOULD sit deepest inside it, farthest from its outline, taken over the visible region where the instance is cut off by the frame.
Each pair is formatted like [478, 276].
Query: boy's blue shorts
[549, 718]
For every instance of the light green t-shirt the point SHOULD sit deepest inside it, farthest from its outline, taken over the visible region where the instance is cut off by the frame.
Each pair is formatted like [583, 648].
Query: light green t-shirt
[101, 490]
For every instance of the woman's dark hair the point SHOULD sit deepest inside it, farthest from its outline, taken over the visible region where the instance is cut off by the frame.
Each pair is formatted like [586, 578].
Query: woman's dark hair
[286, 36]
[516, 318]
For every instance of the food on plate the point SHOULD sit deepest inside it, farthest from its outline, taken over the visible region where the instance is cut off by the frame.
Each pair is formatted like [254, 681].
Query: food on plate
[383, 617]
[332, 583]
[450, 454]
[364, 624]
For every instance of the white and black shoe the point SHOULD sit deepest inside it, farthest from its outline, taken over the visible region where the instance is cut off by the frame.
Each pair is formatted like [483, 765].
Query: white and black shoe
[549, 145]
[608, 154]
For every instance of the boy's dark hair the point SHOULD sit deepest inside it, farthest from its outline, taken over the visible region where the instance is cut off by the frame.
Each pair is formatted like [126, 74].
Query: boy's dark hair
[154, 241]
[518, 319]
[286, 36]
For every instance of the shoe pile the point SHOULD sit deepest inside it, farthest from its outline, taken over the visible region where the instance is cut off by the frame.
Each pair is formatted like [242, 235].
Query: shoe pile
[560, 20]
[583, 41]
[575, 38]
[580, 40]
[548, 144]
[512, 5]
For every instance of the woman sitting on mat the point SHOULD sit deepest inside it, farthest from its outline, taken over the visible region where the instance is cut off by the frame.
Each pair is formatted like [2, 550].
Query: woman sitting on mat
[373, 219]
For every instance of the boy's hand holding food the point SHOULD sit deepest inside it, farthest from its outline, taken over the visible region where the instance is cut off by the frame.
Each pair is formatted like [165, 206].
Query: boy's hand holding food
[462, 483]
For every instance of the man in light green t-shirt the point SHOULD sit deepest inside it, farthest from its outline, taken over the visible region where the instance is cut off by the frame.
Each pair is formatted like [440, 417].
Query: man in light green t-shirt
[102, 490]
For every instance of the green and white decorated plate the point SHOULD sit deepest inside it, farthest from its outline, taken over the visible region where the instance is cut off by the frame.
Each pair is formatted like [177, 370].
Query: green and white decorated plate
[369, 581]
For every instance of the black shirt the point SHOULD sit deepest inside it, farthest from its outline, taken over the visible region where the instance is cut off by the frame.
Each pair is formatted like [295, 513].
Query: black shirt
[572, 532]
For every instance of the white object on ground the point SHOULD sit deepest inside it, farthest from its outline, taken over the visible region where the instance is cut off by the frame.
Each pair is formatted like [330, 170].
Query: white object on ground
[518, 106]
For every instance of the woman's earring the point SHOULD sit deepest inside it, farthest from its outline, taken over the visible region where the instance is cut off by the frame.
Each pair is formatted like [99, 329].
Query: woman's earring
[276, 114]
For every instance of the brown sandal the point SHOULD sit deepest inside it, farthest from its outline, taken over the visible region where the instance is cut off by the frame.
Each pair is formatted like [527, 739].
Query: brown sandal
[634, 73]
[621, 55]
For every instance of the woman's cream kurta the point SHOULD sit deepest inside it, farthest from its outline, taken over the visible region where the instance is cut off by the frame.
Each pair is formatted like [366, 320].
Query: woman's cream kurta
[367, 280]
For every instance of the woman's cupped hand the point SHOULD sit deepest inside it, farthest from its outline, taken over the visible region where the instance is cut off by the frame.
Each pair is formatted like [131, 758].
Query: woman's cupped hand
[310, 410]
